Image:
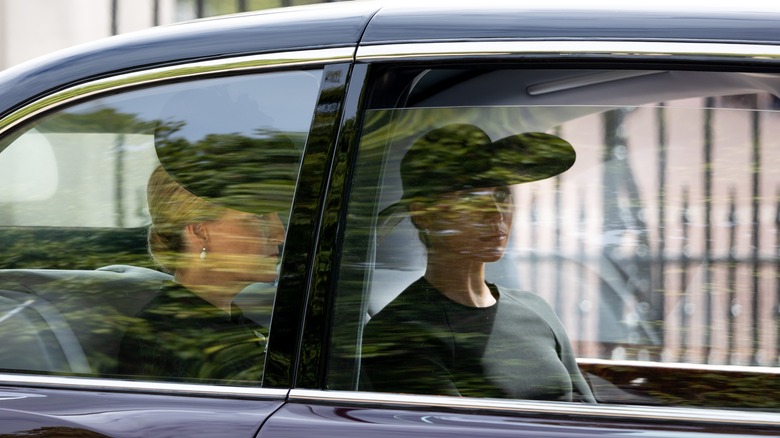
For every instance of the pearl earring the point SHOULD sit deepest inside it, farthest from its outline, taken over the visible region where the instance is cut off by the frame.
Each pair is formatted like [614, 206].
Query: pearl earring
[203, 253]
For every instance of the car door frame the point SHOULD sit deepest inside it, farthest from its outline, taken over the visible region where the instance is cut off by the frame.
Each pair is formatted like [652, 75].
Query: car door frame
[350, 412]
[35, 402]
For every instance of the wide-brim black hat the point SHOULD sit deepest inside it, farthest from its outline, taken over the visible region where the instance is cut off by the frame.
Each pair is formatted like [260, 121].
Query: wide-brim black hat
[217, 148]
[462, 156]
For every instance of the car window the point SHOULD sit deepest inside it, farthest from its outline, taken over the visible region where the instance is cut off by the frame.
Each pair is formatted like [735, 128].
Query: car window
[644, 273]
[142, 230]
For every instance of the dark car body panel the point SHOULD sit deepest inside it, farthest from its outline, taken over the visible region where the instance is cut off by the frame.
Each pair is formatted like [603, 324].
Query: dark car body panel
[353, 420]
[369, 24]
[315, 27]
[302, 315]
[293, 294]
[46, 412]
[475, 22]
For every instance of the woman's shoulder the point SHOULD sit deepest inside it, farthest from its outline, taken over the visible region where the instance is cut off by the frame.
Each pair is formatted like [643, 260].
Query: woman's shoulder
[522, 297]
[529, 301]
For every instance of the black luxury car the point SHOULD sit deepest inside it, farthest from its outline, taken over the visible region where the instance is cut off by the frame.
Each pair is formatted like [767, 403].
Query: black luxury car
[397, 219]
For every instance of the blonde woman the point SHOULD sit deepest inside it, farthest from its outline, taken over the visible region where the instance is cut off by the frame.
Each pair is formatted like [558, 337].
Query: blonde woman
[192, 329]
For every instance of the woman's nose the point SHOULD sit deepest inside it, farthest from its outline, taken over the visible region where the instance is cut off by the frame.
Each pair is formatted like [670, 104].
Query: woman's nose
[277, 229]
[492, 207]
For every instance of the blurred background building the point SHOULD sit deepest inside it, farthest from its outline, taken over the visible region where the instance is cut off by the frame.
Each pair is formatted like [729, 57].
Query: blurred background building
[31, 28]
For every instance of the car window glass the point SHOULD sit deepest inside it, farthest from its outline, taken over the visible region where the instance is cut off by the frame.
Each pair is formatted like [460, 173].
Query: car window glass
[653, 257]
[142, 230]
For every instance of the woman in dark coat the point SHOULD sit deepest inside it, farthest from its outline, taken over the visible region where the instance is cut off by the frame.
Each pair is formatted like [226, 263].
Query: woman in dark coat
[192, 329]
[451, 332]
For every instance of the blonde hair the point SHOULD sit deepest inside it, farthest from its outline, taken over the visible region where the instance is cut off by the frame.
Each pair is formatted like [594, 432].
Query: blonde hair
[172, 208]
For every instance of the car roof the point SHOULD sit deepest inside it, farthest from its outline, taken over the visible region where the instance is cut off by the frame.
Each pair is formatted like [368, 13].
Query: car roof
[346, 24]
[659, 20]
[287, 29]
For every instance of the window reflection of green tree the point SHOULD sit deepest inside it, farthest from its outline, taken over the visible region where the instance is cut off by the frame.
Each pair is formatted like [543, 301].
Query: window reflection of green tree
[104, 120]
[231, 169]
[231, 154]
[221, 352]
[65, 248]
[215, 161]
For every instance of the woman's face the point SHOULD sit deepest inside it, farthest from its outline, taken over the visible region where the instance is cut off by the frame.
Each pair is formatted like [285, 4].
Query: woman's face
[246, 247]
[471, 223]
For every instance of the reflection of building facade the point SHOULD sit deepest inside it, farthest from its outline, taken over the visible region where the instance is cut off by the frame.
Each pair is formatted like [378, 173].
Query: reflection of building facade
[667, 223]
[31, 28]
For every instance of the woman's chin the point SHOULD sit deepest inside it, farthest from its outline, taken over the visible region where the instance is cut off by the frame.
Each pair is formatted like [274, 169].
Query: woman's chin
[494, 258]
[483, 257]
[494, 255]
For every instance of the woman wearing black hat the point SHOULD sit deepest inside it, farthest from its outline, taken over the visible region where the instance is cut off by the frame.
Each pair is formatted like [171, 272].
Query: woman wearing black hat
[214, 203]
[451, 332]
[192, 329]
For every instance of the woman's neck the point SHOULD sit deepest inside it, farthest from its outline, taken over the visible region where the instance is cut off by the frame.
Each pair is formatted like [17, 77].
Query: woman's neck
[462, 282]
[220, 295]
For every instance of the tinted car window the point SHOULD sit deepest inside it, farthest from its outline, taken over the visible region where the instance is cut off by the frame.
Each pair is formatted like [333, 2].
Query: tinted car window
[655, 250]
[143, 229]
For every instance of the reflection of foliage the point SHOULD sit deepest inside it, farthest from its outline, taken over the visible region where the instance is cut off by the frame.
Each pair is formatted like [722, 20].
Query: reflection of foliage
[692, 387]
[77, 248]
[101, 120]
[722, 390]
[461, 156]
[254, 174]
[181, 337]
[94, 304]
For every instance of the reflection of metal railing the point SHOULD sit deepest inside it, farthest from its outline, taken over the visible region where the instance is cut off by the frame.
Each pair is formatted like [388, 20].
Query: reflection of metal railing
[702, 325]
[698, 292]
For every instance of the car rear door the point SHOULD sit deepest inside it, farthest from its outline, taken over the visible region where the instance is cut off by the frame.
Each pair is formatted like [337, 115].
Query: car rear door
[76, 269]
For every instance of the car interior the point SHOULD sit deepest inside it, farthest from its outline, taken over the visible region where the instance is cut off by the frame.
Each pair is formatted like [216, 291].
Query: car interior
[542, 100]
[507, 101]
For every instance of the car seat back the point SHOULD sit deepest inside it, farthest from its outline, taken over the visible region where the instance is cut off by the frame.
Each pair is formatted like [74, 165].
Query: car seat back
[70, 321]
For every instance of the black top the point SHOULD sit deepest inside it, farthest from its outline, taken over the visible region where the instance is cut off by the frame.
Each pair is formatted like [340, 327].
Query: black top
[180, 336]
[425, 343]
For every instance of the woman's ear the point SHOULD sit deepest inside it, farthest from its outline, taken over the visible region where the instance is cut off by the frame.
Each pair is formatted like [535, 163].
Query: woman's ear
[197, 233]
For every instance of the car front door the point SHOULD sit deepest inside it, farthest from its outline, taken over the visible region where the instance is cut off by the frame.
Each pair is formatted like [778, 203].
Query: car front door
[633, 247]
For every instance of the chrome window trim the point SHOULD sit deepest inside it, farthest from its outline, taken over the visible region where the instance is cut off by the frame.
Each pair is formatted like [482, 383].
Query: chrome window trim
[768, 370]
[497, 406]
[567, 48]
[119, 385]
[159, 74]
